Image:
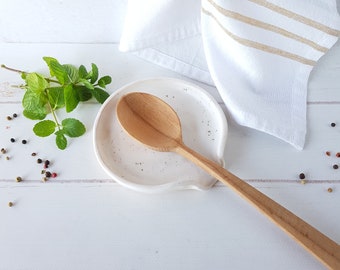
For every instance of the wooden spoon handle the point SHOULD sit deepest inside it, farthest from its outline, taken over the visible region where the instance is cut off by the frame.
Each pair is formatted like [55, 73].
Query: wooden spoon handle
[325, 249]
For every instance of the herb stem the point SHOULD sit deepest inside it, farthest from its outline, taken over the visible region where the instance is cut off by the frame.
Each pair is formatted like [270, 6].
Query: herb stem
[12, 69]
[51, 80]
[54, 116]
[53, 112]
[23, 72]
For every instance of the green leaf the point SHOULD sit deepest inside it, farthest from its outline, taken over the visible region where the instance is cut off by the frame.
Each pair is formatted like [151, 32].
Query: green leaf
[94, 75]
[36, 82]
[61, 140]
[103, 81]
[84, 93]
[72, 72]
[34, 115]
[23, 75]
[44, 128]
[34, 105]
[71, 98]
[73, 127]
[100, 95]
[56, 69]
[82, 72]
[56, 97]
[87, 84]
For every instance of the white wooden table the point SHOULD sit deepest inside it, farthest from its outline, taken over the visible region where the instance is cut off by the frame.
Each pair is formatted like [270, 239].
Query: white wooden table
[84, 220]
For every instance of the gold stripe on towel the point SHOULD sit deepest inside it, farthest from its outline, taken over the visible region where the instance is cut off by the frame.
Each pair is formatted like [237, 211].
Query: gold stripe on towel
[297, 17]
[260, 46]
[267, 26]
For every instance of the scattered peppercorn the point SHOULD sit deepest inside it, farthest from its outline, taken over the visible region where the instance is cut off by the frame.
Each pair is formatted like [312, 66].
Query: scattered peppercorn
[3, 151]
[10, 204]
[39, 160]
[12, 140]
[303, 182]
[24, 141]
[48, 174]
[46, 163]
[54, 175]
[44, 179]
[15, 115]
[330, 190]
[328, 153]
[337, 154]
[302, 176]
[43, 171]
[33, 154]
[335, 166]
[9, 118]
[333, 124]
[7, 158]
[19, 179]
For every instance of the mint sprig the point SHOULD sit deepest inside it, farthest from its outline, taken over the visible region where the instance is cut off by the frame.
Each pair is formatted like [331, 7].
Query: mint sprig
[65, 88]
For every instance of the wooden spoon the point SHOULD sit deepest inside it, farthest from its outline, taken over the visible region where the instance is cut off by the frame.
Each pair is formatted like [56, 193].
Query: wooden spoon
[154, 123]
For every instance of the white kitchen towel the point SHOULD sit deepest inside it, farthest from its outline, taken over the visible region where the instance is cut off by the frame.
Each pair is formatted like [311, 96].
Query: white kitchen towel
[168, 33]
[259, 53]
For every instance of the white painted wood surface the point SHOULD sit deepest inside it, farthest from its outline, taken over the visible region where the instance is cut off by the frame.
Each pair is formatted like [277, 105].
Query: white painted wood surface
[84, 220]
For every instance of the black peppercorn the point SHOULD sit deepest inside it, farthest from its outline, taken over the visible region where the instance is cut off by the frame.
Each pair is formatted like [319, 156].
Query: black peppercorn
[24, 141]
[335, 166]
[302, 176]
[333, 124]
[12, 140]
[39, 160]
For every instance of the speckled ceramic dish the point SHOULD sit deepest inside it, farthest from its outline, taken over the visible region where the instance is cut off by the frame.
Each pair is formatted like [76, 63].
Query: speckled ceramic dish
[137, 167]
